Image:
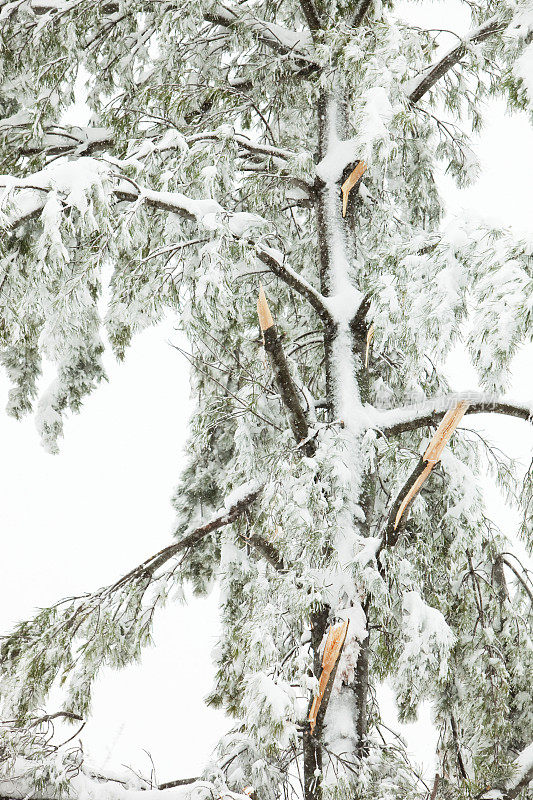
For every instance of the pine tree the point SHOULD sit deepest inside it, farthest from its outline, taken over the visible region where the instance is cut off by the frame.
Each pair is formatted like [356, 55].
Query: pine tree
[294, 144]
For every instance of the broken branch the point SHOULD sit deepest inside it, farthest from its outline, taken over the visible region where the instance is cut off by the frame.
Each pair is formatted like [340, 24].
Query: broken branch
[422, 471]
[284, 381]
[332, 652]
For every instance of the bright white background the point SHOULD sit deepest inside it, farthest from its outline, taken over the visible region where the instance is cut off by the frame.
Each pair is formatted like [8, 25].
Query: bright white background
[73, 522]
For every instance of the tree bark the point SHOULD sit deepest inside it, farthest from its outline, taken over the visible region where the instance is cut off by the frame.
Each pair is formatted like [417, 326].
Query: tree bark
[312, 747]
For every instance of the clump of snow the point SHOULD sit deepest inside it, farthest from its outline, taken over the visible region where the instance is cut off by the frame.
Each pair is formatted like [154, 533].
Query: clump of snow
[241, 222]
[239, 494]
[197, 208]
[425, 629]
[338, 156]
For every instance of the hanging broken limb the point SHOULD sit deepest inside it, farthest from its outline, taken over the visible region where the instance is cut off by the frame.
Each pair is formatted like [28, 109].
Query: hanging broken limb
[421, 472]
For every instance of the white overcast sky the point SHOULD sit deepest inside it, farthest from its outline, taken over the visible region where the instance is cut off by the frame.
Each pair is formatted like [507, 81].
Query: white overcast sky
[73, 522]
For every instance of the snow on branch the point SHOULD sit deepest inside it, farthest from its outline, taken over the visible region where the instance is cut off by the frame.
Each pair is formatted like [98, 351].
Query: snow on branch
[278, 38]
[522, 777]
[59, 140]
[418, 415]
[87, 785]
[33, 191]
[274, 260]
[83, 141]
[428, 78]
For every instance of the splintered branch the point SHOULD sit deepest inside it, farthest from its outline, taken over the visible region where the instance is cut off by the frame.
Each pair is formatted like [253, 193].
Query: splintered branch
[330, 660]
[351, 181]
[431, 75]
[422, 472]
[282, 374]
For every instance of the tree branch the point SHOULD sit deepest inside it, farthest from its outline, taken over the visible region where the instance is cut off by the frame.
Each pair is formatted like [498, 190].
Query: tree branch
[270, 258]
[281, 40]
[518, 577]
[429, 77]
[360, 11]
[282, 374]
[310, 14]
[523, 776]
[178, 782]
[521, 779]
[409, 418]
[224, 517]
[35, 188]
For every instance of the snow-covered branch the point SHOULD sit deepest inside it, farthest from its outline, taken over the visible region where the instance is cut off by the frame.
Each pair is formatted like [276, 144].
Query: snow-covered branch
[428, 78]
[430, 412]
[280, 39]
[33, 190]
[86, 140]
[275, 261]
[241, 502]
[87, 785]
[58, 139]
[522, 777]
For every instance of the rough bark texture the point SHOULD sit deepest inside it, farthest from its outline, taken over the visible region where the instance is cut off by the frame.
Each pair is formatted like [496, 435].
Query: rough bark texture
[287, 388]
[312, 748]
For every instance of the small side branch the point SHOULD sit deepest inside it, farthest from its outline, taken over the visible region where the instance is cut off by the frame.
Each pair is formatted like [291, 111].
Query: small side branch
[518, 576]
[268, 551]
